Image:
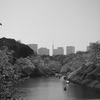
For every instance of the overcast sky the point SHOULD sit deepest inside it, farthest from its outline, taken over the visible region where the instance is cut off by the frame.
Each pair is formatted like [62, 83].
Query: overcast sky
[67, 22]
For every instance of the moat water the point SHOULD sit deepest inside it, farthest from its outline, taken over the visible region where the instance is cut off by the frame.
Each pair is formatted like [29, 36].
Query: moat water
[52, 89]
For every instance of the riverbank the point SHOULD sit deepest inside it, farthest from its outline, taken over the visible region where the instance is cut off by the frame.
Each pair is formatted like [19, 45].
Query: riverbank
[84, 67]
[97, 90]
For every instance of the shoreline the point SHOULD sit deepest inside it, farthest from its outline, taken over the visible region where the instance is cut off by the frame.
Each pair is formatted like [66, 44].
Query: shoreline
[84, 85]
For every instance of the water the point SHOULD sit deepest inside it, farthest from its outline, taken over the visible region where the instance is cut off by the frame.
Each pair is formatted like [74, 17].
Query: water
[52, 89]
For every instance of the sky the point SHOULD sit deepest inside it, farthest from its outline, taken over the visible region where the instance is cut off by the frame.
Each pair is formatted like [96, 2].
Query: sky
[66, 22]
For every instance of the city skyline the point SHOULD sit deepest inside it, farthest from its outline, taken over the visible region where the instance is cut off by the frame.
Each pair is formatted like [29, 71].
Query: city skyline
[58, 50]
[55, 51]
[67, 22]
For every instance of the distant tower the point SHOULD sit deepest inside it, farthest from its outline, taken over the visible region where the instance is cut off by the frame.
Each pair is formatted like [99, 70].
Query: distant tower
[52, 47]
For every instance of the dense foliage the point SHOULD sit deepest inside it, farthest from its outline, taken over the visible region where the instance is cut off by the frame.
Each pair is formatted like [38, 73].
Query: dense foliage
[17, 47]
[9, 74]
[46, 66]
[84, 67]
[74, 61]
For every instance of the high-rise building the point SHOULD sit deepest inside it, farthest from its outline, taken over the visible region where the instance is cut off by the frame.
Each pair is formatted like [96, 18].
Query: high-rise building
[55, 51]
[89, 47]
[70, 49]
[52, 47]
[58, 51]
[43, 51]
[34, 47]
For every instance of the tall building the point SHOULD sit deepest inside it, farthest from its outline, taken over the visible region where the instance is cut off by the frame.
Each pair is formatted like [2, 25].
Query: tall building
[43, 51]
[55, 51]
[70, 49]
[52, 47]
[34, 47]
[89, 47]
[58, 51]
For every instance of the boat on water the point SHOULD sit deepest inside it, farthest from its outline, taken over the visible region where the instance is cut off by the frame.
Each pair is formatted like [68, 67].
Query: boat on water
[65, 88]
[67, 82]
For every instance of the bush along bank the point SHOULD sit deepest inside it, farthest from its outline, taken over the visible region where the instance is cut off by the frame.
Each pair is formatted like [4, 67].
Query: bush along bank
[13, 73]
[84, 67]
[14, 68]
[11, 70]
[9, 75]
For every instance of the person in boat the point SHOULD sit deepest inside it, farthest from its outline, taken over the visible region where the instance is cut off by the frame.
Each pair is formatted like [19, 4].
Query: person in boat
[66, 82]
[65, 88]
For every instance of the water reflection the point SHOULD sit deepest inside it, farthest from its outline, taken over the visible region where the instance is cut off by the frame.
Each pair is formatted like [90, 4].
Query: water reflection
[80, 92]
[52, 89]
